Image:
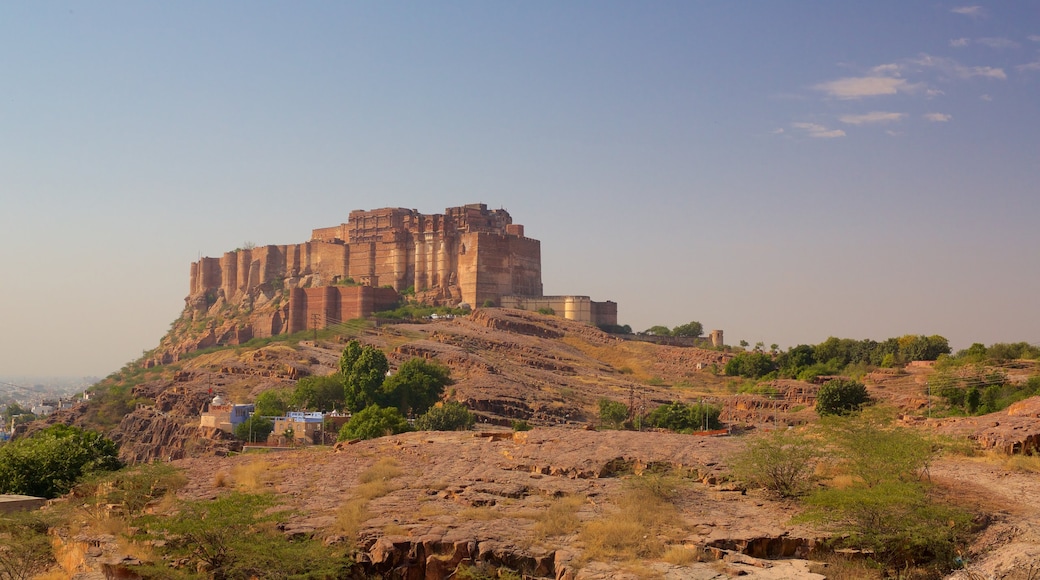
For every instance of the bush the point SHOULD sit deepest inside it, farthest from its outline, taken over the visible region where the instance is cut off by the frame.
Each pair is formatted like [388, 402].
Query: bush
[363, 369]
[840, 397]
[681, 417]
[451, 416]
[253, 429]
[690, 329]
[520, 425]
[26, 549]
[782, 462]
[612, 413]
[374, 421]
[236, 536]
[323, 393]
[884, 506]
[50, 462]
[415, 387]
[750, 365]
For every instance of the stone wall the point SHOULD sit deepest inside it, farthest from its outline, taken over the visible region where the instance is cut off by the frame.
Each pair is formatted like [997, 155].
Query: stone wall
[310, 307]
[469, 253]
[577, 308]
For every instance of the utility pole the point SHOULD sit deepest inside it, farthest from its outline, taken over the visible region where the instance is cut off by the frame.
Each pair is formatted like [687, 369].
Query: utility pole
[314, 325]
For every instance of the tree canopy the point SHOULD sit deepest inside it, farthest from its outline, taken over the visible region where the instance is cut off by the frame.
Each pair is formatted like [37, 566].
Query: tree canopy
[364, 369]
[415, 387]
[840, 397]
[451, 416]
[319, 393]
[374, 421]
[50, 462]
[690, 329]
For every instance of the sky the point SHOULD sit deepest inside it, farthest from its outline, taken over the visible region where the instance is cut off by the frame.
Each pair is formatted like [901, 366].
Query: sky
[783, 171]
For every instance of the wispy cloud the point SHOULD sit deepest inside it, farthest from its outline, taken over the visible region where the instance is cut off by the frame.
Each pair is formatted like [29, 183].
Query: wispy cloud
[937, 117]
[818, 131]
[1029, 66]
[960, 42]
[1034, 37]
[860, 87]
[986, 98]
[873, 117]
[996, 42]
[956, 69]
[973, 11]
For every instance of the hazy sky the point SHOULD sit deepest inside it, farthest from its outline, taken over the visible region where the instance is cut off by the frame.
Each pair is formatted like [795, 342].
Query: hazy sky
[784, 171]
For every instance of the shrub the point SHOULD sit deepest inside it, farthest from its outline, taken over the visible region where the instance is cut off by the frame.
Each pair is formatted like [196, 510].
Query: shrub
[690, 329]
[547, 311]
[49, 463]
[680, 417]
[320, 393]
[884, 506]
[612, 413]
[26, 549]
[451, 416]
[750, 365]
[374, 421]
[520, 425]
[781, 461]
[253, 429]
[235, 536]
[415, 387]
[840, 397]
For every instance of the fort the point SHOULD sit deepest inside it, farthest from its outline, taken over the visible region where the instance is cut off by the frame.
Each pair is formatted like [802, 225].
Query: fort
[469, 255]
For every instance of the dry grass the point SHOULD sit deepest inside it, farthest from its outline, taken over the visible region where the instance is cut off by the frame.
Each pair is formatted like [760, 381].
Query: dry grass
[374, 482]
[683, 556]
[220, 479]
[560, 518]
[644, 516]
[257, 475]
[383, 470]
[1020, 463]
[839, 567]
[394, 530]
[350, 516]
[628, 358]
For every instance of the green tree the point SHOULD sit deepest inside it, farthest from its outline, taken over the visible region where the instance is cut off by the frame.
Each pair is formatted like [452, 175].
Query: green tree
[451, 416]
[374, 421]
[364, 369]
[612, 413]
[886, 510]
[840, 397]
[235, 536]
[254, 429]
[319, 393]
[750, 365]
[415, 387]
[50, 462]
[658, 330]
[691, 329]
[680, 417]
[273, 403]
[25, 547]
[782, 461]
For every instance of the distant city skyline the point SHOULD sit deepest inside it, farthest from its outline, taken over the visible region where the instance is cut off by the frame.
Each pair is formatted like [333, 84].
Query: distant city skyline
[783, 171]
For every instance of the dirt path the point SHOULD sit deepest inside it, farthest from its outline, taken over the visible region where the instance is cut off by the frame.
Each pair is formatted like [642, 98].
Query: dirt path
[1009, 548]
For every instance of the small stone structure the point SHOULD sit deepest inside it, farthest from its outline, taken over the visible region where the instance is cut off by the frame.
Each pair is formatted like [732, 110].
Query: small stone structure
[225, 416]
[304, 425]
[14, 502]
[577, 308]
